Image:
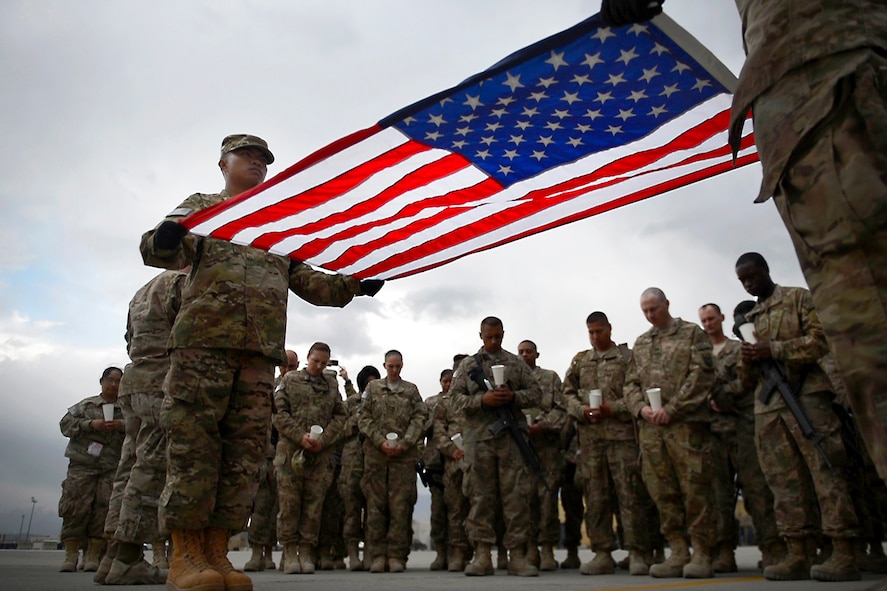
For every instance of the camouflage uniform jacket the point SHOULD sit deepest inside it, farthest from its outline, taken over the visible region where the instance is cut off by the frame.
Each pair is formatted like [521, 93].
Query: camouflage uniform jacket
[400, 410]
[431, 454]
[479, 419]
[678, 360]
[550, 415]
[728, 392]
[75, 426]
[784, 37]
[447, 418]
[235, 296]
[303, 400]
[590, 370]
[788, 320]
[152, 312]
[352, 450]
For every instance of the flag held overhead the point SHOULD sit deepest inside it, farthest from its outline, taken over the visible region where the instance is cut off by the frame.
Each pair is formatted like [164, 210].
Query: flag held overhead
[579, 123]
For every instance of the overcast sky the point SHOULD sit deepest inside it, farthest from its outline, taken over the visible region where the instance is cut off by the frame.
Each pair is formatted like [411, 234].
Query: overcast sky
[112, 113]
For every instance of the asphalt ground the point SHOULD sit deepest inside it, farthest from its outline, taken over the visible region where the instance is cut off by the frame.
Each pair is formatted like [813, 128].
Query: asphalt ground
[37, 570]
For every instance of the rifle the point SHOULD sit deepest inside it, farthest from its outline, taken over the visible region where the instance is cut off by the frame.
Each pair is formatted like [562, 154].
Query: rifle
[505, 421]
[775, 379]
[427, 475]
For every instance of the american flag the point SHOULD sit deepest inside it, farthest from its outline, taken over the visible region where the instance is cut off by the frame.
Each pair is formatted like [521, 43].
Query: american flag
[579, 123]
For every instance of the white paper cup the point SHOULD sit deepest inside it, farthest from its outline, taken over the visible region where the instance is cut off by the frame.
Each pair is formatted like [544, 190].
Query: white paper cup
[498, 374]
[654, 395]
[595, 397]
[316, 431]
[529, 420]
[457, 440]
[391, 437]
[747, 331]
[108, 411]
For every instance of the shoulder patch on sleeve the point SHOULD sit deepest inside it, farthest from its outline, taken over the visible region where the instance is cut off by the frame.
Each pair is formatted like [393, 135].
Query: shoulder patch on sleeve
[179, 212]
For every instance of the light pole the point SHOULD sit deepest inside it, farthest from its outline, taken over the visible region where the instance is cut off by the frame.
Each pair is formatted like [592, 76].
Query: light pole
[20, 528]
[33, 504]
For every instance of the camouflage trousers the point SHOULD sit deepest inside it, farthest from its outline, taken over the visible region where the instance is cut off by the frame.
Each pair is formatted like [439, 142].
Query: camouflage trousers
[141, 472]
[439, 513]
[756, 494]
[574, 509]
[457, 504]
[353, 501]
[83, 505]
[262, 528]
[300, 496]
[676, 466]
[545, 526]
[216, 410]
[332, 523]
[723, 490]
[607, 467]
[789, 461]
[131, 424]
[833, 201]
[389, 486]
[496, 480]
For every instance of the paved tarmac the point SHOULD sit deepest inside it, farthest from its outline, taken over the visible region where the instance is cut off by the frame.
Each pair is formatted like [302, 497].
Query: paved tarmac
[37, 570]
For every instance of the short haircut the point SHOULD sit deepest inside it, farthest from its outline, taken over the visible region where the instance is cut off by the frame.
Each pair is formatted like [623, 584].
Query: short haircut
[743, 307]
[108, 371]
[753, 258]
[391, 352]
[458, 357]
[491, 321]
[319, 346]
[597, 317]
[715, 306]
[445, 373]
[535, 348]
[654, 291]
[364, 375]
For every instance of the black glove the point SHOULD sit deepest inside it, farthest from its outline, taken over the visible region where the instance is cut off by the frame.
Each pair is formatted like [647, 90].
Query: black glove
[168, 235]
[371, 287]
[617, 13]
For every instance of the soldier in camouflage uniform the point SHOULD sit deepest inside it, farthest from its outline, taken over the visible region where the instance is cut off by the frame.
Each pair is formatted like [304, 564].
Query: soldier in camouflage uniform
[495, 472]
[733, 425]
[788, 331]
[93, 452]
[225, 342]
[544, 426]
[352, 472]
[132, 515]
[608, 451]
[304, 463]
[447, 421]
[434, 466]
[262, 530]
[392, 406]
[676, 441]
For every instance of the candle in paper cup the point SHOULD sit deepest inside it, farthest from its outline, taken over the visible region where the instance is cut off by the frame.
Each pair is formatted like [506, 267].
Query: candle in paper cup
[457, 440]
[595, 397]
[747, 331]
[316, 431]
[391, 437]
[654, 395]
[498, 374]
[108, 411]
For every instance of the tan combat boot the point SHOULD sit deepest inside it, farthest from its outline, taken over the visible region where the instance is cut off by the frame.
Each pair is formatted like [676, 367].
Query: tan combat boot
[72, 552]
[725, 561]
[572, 560]
[188, 568]
[601, 564]
[95, 549]
[105, 564]
[440, 561]
[456, 559]
[215, 549]
[325, 558]
[306, 558]
[840, 566]
[502, 558]
[700, 566]
[396, 564]
[637, 564]
[290, 559]
[674, 566]
[532, 554]
[269, 557]
[158, 555]
[794, 566]
[519, 565]
[482, 565]
[129, 567]
[378, 564]
[546, 558]
[354, 561]
[256, 561]
[772, 553]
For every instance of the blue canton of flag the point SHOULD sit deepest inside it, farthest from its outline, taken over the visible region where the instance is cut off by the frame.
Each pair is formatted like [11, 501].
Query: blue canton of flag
[598, 91]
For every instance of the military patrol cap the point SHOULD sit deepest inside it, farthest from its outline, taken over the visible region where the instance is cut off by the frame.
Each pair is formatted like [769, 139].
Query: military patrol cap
[243, 140]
